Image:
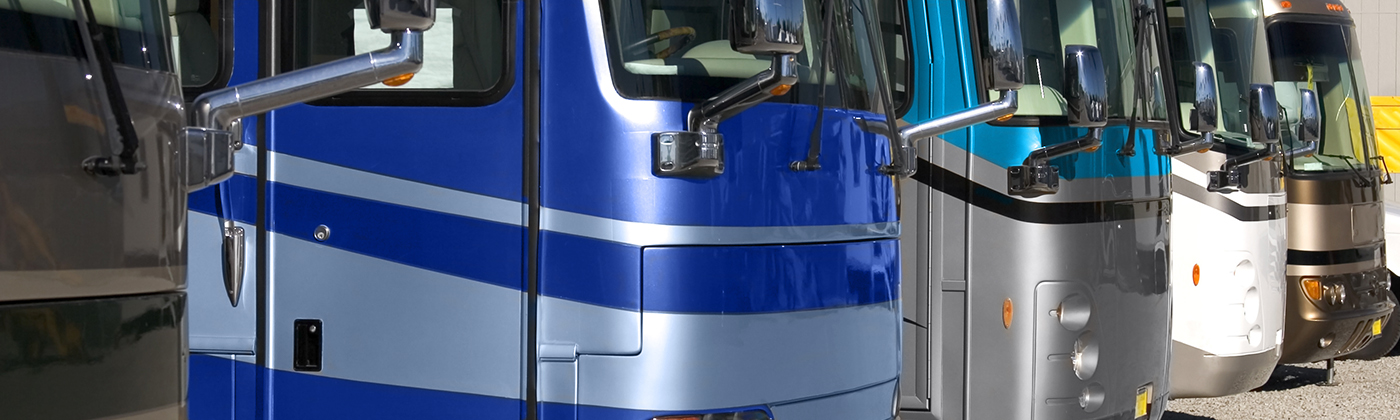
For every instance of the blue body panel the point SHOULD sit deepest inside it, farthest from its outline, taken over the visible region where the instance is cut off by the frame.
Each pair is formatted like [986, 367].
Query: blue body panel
[470, 265]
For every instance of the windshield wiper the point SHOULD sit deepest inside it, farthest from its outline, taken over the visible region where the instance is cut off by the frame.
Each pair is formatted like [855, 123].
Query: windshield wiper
[1143, 17]
[95, 44]
[814, 145]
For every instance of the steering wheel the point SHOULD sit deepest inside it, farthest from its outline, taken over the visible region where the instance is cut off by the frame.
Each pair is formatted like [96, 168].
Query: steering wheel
[680, 37]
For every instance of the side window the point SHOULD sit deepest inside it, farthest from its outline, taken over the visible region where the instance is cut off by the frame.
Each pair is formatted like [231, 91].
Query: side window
[466, 53]
[202, 40]
[894, 34]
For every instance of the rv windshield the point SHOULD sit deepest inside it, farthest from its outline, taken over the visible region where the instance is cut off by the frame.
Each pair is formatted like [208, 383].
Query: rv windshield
[1326, 59]
[1048, 26]
[697, 62]
[135, 31]
[1229, 36]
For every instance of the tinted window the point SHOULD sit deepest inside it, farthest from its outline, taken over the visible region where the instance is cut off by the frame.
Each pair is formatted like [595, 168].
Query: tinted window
[135, 31]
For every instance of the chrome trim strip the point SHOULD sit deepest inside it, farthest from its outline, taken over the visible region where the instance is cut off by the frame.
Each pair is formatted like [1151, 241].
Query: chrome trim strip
[302, 172]
[653, 234]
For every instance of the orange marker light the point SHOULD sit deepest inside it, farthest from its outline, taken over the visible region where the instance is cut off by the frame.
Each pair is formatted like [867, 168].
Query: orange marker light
[1006, 117]
[1006, 312]
[1287, 4]
[1313, 288]
[399, 80]
[780, 90]
[1196, 275]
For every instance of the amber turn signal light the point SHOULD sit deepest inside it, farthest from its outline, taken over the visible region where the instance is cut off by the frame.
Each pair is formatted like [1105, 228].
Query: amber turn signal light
[1312, 286]
[399, 80]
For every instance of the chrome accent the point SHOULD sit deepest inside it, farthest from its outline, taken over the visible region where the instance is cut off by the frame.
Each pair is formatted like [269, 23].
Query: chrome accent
[307, 173]
[1263, 128]
[1007, 59]
[233, 261]
[1087, 102]
[699, 151]
[760, 27]
[1006, 68]
[221, 109]
[766, 27]
[1205, 117]
[654, 234]
[322, 233]
[205, 156]
[1309, 125]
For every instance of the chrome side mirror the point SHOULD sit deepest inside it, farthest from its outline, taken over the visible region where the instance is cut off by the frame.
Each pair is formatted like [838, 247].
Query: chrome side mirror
[1006, 66]
[1263, 129]
[221, 110]
[1086, 97]
[1087, 88]
[397, 15]
[1309, 118]
[1263, 114]
[1006, 61]
[768, 27]
[1205, 117]
[208, 143]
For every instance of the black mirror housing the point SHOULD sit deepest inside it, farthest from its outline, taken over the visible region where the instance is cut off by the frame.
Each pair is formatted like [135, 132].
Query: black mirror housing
[400, 15]
[1007, 58]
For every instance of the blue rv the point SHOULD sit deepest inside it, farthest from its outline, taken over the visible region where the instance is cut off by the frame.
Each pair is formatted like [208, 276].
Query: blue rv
[611, 209]
[1036, 245]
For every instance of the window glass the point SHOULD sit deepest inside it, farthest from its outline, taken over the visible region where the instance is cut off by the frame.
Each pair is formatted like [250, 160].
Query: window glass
[465, 51]
[202, 43]
[1229, 36]
[894, 34]
[1048, 26]
[135, 30]
[700, 64]
[1326, 59]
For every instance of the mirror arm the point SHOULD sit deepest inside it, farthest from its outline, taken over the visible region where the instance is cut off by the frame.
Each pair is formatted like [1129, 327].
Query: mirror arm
[1037, 177]
[707, 115]
[1090, 142]
[1229, 178]
[904, 161]
[1305, 151]
[221, 109]
[1176, 148]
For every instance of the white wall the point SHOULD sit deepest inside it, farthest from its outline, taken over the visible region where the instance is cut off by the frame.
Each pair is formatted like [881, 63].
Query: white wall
[1378, 27]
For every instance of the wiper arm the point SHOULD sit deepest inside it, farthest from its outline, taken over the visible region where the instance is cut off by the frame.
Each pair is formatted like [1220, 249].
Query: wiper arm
[1142, 14]
[95, 44]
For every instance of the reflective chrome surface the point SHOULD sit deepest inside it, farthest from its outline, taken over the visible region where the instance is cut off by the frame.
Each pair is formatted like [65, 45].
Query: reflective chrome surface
[221, 109]
[766, 26]
[1087, 103]
[699, 152]
[1206, 116]
[1008, 64]
[1263, 114]
[1309, 124]
[1087, 87]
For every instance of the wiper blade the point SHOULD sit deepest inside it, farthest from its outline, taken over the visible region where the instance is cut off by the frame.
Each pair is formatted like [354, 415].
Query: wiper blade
[125, 162]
